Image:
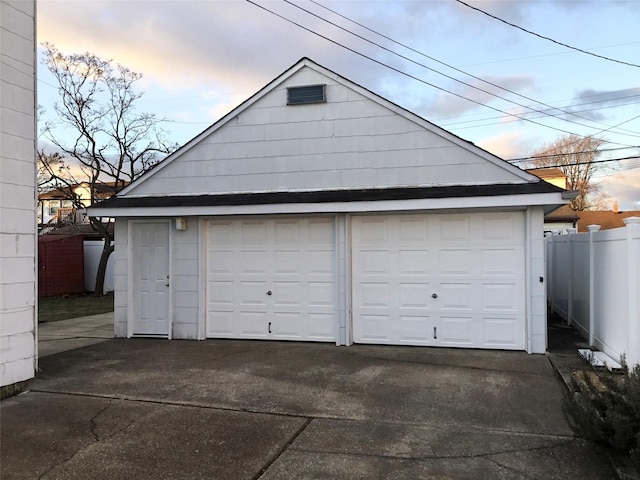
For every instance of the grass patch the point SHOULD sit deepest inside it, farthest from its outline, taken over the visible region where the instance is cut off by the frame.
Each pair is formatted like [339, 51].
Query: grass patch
[51, 309]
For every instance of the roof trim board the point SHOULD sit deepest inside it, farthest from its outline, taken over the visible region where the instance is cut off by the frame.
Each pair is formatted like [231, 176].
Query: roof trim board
[327, 196]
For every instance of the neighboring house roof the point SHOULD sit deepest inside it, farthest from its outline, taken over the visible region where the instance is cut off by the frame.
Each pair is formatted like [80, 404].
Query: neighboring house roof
[554, 176]
[562, 214]
[102, 190]
[355, 147]
[606, 219]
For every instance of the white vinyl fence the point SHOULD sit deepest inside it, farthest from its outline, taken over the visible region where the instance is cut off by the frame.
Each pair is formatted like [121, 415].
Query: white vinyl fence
[593, 282]
[92, 252]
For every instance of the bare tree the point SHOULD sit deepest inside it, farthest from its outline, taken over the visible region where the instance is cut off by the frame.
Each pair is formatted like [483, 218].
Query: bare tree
[98, 129]
[50, 167]
[577, 158]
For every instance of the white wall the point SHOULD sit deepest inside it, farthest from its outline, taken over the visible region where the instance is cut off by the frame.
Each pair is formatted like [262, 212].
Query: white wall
[535, 288]
[349, 142]
[18, 317]
[185, 279]
[594, 285]
[92, 254]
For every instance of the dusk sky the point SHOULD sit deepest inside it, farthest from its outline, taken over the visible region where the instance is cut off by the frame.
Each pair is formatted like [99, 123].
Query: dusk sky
[200, 59]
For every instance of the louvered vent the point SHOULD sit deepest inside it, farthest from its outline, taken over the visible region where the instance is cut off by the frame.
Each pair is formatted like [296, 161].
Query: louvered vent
[306, 94]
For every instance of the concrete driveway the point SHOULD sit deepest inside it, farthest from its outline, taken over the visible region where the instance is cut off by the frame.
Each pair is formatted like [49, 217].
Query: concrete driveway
[158, 409]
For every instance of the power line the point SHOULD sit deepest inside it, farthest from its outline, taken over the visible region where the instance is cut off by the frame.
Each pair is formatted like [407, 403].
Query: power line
[535, 157]
[573, 164]
[547, 38]
[500, 122]
[442, 63]
[413, 77]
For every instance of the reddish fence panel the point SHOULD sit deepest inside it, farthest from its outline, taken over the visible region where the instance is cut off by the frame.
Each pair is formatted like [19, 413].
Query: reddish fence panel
[60, 265]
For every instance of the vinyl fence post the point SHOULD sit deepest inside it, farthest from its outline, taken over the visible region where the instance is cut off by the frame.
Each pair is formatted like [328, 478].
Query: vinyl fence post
[633, 245]
[592, 286]
[570, 232]
[548, 250]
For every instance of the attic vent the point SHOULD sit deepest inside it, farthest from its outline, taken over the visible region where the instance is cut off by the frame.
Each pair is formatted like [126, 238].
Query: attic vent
[306, 94]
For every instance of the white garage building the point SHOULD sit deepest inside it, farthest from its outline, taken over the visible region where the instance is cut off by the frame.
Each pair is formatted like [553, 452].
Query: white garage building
[319, 211]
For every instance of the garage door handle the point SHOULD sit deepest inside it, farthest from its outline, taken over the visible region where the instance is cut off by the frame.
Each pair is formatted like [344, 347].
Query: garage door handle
[269, 292]
[269, 327]
[434, 295]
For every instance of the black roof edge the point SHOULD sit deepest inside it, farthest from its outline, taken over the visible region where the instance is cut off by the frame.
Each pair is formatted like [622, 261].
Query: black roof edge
[330, 196]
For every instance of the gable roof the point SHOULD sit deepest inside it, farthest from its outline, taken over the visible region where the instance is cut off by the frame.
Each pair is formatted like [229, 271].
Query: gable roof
[358, 145]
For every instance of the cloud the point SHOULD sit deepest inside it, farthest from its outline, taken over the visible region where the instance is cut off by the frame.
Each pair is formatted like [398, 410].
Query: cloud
[589, 102]
[623, 187]
[478, 93]
[506, 145]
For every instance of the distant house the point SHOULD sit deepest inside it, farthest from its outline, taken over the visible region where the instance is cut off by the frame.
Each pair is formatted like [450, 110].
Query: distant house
[319, 211]
[554, 176]
[562, 217]
[56, 206]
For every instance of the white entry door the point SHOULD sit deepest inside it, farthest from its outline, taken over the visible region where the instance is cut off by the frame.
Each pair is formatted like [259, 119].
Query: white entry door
[271, 278]
[151, 281]
[454, 280]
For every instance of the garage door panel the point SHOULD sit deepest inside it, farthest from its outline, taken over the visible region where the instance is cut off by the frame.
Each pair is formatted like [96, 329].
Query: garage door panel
[223, 323]
[375, 328]
[373, 231]
[502, 332]
[501, 297]
[414, 295]
[501, 229]
[413, 262]
[220, 293]
[455, 228]
[474, 263]
[458, 331]
[502, 263]
[374, 262]
[413, 229]
[457, 296]
[458, 262]
[374, 295]
[221, 262]
[253, 233]
[252, 324]
[321, 232]
[320, 294]
[274, 281]
[320, 262]
[415, 330]
[223, 233]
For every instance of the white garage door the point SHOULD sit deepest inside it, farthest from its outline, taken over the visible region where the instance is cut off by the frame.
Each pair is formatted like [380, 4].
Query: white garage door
[454, 280]
[271, 279]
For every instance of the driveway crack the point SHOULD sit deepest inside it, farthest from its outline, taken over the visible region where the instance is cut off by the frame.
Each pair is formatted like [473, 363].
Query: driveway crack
[283, 449]
[486, 455]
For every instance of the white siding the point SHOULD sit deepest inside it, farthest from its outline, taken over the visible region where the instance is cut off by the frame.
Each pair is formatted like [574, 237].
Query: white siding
[17, 192]
[348, 142]
[536, 291]
[120, 277]
[184, 279]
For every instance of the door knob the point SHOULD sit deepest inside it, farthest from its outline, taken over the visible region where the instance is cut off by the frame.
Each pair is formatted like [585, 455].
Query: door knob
[269, 292]
[434, 295]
